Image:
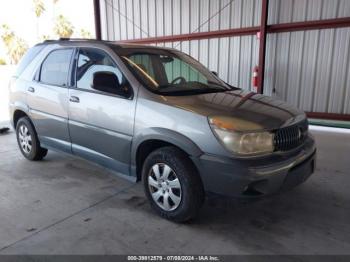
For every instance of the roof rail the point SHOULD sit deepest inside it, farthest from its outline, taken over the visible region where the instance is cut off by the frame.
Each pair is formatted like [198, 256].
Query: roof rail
[69, 39]
[76, 39]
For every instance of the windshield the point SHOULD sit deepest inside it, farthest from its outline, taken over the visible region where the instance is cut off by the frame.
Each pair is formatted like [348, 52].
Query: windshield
[170, 72]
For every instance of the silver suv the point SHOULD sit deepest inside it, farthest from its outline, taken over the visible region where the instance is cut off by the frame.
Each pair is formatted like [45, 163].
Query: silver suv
[157, 115]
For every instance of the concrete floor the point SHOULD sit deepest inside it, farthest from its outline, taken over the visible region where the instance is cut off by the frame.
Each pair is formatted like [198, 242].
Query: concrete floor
[64, 205]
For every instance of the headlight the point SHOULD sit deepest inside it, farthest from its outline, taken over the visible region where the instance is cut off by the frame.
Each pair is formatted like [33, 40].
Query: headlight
[242, 142]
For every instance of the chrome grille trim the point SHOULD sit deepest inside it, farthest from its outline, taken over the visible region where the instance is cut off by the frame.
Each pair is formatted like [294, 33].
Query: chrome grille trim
[290, 137]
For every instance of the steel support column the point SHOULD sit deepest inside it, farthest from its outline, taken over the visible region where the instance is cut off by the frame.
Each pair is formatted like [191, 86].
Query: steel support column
[262, 45]
[97, 16]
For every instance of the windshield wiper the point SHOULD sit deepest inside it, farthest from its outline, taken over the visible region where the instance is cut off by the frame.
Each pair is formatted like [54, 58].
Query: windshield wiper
[219, 85]
[212, 90]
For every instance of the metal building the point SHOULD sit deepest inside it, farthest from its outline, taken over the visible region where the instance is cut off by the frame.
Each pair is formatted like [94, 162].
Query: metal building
[302, 46]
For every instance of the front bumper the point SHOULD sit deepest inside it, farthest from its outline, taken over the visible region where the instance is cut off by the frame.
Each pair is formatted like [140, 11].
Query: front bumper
[259, 176]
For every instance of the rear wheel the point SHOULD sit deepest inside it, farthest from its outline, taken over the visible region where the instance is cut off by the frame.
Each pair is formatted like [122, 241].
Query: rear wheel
[28, 141]
[172, 184]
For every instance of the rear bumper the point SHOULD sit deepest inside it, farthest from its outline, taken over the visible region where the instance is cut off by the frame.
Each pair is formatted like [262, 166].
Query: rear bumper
[255, 177]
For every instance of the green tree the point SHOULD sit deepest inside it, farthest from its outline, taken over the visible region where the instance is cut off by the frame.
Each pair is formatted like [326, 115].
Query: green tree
[39, 9]
[85, 33]
[54, 2]
[16, 46]
[63, 27]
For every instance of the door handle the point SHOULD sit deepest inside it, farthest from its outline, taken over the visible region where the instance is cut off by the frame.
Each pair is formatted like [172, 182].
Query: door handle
[31, 89]
[74, 99]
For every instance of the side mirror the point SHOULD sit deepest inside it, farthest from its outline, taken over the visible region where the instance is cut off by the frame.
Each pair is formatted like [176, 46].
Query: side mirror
[106, 82]
[215, 73]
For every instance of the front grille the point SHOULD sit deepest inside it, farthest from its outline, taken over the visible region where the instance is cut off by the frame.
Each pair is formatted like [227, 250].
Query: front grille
[291, 137]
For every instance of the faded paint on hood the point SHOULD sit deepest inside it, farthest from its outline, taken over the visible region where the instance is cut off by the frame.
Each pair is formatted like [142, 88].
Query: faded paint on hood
[262, 111]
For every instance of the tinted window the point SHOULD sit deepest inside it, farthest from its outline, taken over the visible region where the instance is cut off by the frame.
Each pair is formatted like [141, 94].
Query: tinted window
[144, 62]
[91, 61]
[55, 68]
[176, 68]
[169, 72]
[27, 58]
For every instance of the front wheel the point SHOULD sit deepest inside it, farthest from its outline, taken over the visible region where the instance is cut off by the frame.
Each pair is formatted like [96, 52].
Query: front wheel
[172, 184]
[28, 141]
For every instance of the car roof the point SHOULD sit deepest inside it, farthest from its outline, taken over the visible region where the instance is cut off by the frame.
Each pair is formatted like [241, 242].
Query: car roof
[77, 41]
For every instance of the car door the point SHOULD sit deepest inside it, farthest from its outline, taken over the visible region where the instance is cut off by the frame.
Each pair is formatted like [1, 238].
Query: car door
[101, 122]
[48, 99]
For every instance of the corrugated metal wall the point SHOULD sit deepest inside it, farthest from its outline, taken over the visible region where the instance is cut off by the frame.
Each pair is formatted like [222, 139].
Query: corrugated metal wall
[232, 57]
[132, 19]
[309, 69]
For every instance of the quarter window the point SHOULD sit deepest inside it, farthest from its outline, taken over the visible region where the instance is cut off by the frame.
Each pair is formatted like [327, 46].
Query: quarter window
[55, 68]
[27, 59]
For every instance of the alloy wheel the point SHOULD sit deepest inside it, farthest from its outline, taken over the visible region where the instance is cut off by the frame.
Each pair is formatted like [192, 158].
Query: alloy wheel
[25, 139]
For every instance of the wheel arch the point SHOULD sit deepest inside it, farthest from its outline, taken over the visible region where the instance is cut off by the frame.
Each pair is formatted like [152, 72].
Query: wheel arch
[154, 138]
[18, 114]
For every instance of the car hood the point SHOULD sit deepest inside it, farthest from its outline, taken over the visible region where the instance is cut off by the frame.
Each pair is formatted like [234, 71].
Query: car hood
[251, 109]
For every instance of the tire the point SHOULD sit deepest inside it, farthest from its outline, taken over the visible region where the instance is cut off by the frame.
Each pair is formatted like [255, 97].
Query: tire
[28, 141]
[186, 193]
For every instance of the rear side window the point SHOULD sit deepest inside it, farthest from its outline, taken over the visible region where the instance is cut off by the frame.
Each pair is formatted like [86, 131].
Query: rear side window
[55, 68]
[27, 58]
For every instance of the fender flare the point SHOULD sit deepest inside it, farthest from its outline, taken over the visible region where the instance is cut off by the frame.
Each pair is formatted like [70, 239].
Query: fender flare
[18, 106]
[166, 135]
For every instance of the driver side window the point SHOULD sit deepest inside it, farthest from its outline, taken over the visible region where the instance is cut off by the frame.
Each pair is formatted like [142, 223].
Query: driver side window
[90, 63]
